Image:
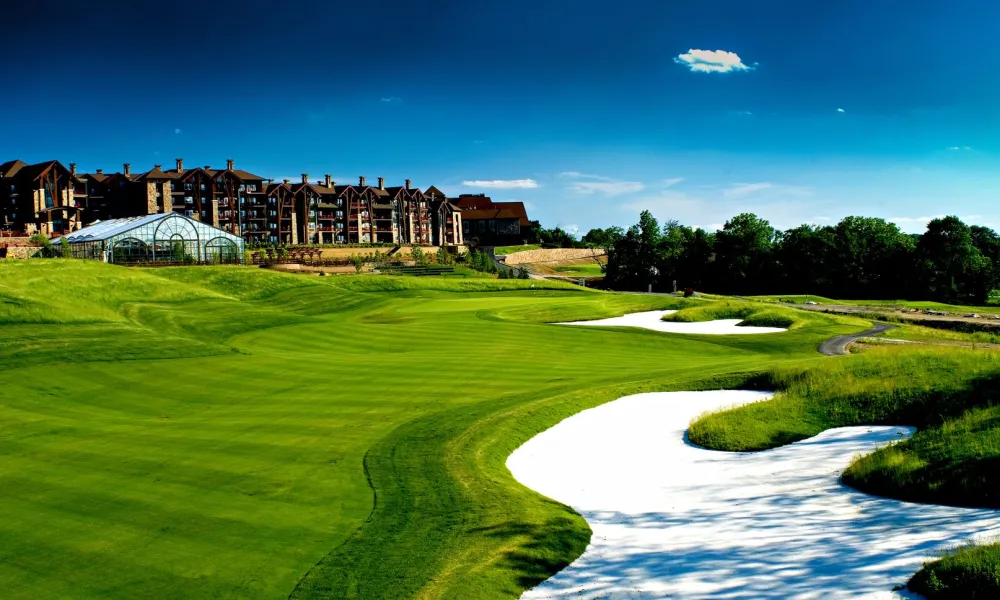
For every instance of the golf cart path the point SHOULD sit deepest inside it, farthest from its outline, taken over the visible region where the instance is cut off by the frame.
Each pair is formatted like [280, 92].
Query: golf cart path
[837, 346]
[671, 520]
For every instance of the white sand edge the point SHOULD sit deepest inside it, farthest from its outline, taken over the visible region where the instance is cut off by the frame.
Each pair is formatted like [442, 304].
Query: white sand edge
[671, 520]
[652, 320]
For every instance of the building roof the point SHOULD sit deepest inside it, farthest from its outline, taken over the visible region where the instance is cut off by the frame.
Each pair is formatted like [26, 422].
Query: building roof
[433, 191]
[517, 208]
[489, 213]
[157, 173]
[105, 230]
[9, 169]
[34, 171]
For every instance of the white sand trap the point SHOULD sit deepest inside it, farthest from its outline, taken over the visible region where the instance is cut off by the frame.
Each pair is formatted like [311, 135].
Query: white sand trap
[671, 520]
[652, 320]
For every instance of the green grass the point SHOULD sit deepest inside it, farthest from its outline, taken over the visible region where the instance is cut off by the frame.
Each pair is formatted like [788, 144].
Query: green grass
[502, 250]
[582, 270]
[750, 314]
[229, 432]
[918, 304]
[971, 573]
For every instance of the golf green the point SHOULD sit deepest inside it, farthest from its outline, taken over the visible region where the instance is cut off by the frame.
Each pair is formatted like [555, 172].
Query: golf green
[226, 432]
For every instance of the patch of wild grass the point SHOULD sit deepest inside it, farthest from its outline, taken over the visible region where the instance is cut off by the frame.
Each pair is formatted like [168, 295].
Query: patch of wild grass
[972, 572]
[750, 314]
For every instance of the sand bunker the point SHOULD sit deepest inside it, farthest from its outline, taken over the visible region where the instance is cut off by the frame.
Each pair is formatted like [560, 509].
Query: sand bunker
[651, 320]
[671, 520]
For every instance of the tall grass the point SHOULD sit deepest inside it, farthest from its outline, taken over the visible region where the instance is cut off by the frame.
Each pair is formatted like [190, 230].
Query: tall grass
[750, 314]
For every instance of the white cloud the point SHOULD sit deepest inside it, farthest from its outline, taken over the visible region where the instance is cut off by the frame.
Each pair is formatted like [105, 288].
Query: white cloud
[711, 61]
[822, 219]
[579, 175]
[502, 184]
[738, 190]
[477, 141]
[959, 148]
[570, 229]
[744, 113]
[608, 188]
[743, 190]
[391, 99]
[178, 131]
[840, 110]
[672, 181]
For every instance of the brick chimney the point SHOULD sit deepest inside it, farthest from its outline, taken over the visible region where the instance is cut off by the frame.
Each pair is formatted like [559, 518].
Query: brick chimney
[408, 182]
[100, 171]
[207, 167]
[72, 169]
[128, 169]
[381, 183]
[180, 164]
[270, 181]
[229, 164]
[305, 178]
[328, 182]
[361, 181]
[287, 181]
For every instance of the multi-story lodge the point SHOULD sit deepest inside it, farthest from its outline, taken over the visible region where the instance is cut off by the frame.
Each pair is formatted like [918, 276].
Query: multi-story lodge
[51, 199]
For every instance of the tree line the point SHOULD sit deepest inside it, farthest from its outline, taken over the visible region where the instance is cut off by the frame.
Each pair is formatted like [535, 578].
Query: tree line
[858, 258]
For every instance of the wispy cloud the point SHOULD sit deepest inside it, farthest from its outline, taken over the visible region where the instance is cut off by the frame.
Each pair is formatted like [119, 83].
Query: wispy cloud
[840, 110]
[608, 188]
[391, 99]
[178, 131]
[570, 229]
[959, 148]
[592, 184]
[739, 190]
[672, 181]
[501, 184]
[743, 190]
[711, 61]
[579, 175]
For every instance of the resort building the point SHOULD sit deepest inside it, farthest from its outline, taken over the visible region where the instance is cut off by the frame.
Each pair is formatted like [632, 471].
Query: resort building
[39, 198]
[490, 222]
[52, 199]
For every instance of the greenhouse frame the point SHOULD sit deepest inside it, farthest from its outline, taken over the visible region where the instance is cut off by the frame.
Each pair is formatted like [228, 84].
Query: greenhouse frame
[165, 237]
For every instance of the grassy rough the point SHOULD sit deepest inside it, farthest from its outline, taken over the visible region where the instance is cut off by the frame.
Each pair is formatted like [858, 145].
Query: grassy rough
[972, 573]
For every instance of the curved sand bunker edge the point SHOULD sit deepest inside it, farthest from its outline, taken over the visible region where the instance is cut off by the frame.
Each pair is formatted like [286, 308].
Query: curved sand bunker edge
[670, 519]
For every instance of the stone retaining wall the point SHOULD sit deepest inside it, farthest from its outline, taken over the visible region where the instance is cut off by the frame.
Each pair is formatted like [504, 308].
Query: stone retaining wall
[552, 255]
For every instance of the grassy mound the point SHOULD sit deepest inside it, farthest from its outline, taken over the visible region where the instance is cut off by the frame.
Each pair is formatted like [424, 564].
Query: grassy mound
[750, 314]
[972, 573]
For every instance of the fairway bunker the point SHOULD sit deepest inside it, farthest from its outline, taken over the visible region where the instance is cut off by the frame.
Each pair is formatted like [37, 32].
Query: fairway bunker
[672, 520]
[654, 320]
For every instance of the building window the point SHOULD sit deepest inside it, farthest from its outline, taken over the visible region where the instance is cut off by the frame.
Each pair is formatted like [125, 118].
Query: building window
[203, 187]
[188, 187]
[203, 214]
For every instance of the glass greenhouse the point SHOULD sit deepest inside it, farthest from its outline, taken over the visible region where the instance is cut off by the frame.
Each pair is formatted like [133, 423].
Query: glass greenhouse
[167, 237]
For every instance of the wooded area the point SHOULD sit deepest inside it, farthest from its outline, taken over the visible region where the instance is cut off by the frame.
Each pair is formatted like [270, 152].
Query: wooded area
[858, 258]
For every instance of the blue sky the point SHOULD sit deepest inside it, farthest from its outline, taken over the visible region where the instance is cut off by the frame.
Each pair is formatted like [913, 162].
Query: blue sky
[798, 111]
